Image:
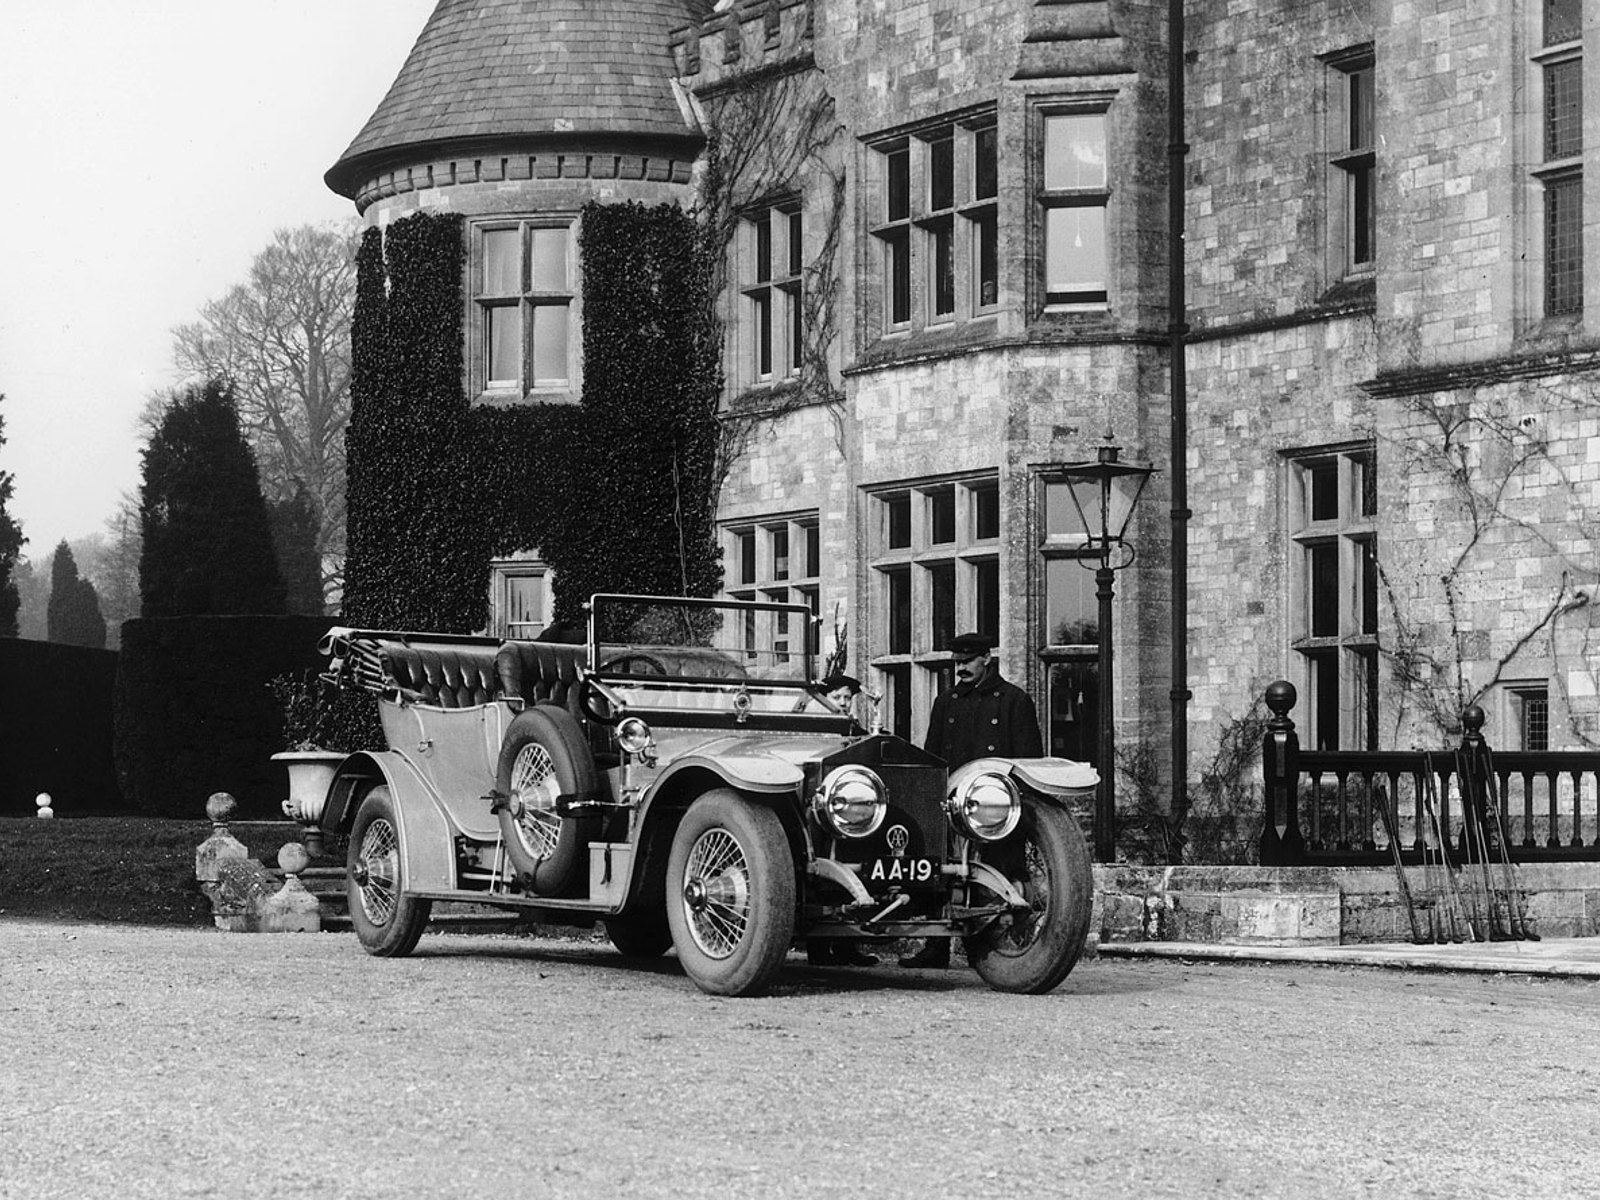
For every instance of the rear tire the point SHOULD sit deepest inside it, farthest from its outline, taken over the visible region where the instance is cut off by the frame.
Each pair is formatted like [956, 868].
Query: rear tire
[1048, 862]
[731, 894]
[386, 920]
[544, 757]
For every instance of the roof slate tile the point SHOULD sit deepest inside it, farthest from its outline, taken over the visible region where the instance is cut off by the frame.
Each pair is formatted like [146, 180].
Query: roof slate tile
[504, 68]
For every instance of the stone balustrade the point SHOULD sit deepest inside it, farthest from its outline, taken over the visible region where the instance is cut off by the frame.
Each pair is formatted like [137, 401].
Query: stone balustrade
[247, 897]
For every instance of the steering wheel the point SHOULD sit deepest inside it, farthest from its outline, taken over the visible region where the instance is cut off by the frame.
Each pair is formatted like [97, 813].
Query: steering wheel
[593, 703]
[636, 664]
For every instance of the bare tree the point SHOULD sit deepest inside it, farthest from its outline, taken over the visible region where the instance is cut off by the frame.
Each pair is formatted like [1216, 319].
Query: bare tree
[110, 561]
[33, 592]
[282, 340]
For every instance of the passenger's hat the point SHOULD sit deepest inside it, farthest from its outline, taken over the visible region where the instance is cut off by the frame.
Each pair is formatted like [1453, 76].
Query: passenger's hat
[970, 645]
[838, 680]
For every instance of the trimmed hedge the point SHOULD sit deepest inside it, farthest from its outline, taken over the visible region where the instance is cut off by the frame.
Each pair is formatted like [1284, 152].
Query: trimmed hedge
[196, 715]
[55, 728]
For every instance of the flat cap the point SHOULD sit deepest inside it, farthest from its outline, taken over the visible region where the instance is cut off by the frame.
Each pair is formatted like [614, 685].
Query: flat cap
[968, 644]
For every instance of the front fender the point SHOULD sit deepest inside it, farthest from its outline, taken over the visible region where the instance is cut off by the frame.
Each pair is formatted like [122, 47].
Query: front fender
[746, 772]
[426, 841]
[1058, 777]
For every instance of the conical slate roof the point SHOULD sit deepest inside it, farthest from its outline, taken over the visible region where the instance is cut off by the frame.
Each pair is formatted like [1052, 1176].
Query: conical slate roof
[489, 70]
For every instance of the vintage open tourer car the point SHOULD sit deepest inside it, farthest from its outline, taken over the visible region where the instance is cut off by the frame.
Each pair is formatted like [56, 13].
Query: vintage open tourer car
[681, 778]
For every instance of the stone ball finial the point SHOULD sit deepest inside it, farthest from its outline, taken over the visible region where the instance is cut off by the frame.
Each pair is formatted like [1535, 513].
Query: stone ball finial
[221, 807]
[292, 858]
[1281, 697]
[1472, 719]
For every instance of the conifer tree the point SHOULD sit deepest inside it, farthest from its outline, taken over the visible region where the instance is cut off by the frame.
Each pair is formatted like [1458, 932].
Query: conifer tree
[294, 536]
[207, 537]
[11, 541]
[73, 617]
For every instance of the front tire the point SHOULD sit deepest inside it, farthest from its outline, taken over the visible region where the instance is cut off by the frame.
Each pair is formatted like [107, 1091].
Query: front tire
[730, 894]
[1048, 862]
[386, 920]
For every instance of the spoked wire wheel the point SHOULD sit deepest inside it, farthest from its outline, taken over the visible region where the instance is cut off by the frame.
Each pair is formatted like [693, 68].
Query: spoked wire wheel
[1046, 859]
[545, 760]
[377, 876]
[1036, 887]
[716, 892]
[731, 894]
[387, 921]
[534, 788]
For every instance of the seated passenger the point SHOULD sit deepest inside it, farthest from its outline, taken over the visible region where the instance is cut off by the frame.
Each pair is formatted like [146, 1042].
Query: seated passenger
[843, 692]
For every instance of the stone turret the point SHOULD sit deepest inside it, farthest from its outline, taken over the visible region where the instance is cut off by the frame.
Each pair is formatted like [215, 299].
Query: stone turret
[499, 93]
[516, 114]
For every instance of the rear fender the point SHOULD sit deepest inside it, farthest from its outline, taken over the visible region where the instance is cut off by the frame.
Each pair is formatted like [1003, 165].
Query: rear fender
[427, 844]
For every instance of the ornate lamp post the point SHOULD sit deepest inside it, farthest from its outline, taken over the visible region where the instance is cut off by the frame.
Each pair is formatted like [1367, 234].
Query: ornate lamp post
[1105, 493]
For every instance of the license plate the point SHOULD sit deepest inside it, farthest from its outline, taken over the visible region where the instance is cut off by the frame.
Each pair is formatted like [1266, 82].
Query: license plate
[901, 872]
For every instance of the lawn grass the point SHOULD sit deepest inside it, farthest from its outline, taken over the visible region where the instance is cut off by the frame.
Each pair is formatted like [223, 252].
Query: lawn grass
[138, 870]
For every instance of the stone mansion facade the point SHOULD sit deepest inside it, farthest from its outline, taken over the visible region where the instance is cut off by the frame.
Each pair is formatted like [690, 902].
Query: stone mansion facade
[948, 277]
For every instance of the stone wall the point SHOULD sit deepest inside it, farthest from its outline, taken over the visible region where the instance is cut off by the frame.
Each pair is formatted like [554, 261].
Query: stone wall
[1258, 169]
[1484, 420]
[1456, 78]
[1487, 545]
[1255, 398]
[1004, 393]
[1286, 906]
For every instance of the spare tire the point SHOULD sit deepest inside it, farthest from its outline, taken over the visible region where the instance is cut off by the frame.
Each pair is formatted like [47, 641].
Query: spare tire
[545, 764]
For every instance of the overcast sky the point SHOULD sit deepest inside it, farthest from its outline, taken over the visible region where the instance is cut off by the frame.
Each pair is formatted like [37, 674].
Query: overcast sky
[150, 148]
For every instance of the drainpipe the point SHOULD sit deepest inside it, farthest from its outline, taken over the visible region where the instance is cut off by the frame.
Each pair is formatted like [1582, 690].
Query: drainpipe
[1177, 331]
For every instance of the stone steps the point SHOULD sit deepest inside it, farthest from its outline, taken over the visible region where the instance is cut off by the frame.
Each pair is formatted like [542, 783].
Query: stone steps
[1312, 906]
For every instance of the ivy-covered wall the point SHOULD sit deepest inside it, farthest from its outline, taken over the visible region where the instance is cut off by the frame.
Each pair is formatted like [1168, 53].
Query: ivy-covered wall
[415, 552]
[617, 493]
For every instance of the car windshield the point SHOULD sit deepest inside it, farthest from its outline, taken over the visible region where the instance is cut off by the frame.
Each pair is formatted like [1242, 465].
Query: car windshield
[647, 636]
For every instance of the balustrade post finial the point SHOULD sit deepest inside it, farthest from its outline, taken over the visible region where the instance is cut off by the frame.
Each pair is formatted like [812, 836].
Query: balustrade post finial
[220, 807]
[1280, 698]
[221, 845]
[1472, 764]
[1281, 842]
[293, 909]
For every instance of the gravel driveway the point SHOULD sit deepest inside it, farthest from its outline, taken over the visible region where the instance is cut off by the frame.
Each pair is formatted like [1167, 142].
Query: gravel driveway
[168, 1063]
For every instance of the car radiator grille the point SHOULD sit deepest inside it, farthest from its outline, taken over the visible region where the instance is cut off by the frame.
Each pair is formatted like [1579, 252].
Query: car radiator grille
[915, 801]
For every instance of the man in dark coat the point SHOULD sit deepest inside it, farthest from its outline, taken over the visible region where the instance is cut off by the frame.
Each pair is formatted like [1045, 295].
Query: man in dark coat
[981, 715]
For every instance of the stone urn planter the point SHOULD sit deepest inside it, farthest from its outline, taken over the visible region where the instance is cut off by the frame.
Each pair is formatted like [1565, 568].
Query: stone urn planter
[310, 774]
